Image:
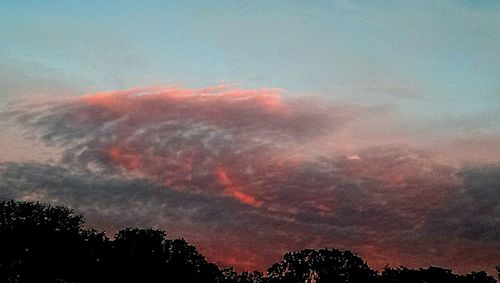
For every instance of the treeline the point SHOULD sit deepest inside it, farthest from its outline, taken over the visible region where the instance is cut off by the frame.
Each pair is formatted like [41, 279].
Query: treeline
[43, 243]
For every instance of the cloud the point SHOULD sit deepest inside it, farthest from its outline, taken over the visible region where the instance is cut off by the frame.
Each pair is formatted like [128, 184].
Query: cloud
[202, 139]
[233, 233]
[248, 174]
[112, 203]
[472, 212]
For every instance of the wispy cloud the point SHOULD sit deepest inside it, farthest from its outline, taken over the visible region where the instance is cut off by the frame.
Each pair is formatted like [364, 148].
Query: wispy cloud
[221, 139]
[259, 171]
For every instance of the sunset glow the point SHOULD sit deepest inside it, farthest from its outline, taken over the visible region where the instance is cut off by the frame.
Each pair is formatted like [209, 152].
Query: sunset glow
[235, 191]
[252, 129]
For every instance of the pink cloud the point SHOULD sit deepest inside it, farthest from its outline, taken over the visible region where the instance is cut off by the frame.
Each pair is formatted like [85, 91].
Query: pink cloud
[272, 162]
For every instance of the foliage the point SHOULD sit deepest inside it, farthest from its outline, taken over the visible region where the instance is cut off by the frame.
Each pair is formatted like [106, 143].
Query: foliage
[323, 265]
[432, 275]
[43, 243]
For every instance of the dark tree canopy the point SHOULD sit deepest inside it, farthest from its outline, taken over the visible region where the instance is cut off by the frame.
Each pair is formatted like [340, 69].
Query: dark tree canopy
[41, 243]
[231, 276]
[432, 275]
[44, 243]
[321, 266]
[15, 216]
[139, 254]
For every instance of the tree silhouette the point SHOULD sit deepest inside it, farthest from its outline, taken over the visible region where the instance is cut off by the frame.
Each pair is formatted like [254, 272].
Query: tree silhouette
[139, 255]
[406, 275]
[321, 266]
[43, 243]
[146, 255]
[478, 277]
[432, 275]
[231, 276]
[98, 262]
[185, 263]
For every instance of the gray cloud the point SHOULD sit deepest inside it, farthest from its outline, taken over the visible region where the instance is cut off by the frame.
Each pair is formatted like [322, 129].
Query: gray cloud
[246, 175]
[473, 210]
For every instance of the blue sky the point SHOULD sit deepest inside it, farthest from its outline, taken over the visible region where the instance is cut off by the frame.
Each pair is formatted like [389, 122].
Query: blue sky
[429, 62]
[444, 50]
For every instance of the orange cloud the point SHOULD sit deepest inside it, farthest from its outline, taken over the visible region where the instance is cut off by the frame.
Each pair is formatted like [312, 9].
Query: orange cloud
[127, 159]
[235, 191]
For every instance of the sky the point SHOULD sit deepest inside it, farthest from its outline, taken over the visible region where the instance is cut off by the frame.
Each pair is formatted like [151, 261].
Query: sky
[252, 128]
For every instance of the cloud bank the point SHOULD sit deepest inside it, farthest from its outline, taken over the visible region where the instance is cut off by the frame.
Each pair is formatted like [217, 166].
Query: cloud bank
[249, 174]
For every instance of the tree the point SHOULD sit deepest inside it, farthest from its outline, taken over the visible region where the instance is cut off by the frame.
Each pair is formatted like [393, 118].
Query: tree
[432, 275]
[139, 255]
[98, 249]
[429, 275]
[41, 243]
[321, 266]
[231, 276]
[146, 255]
[187, 265]
[478, 277]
